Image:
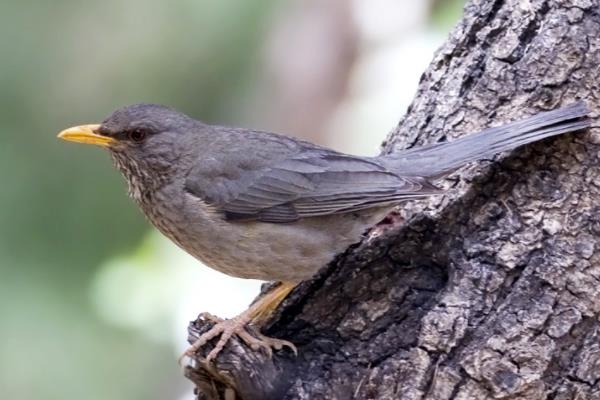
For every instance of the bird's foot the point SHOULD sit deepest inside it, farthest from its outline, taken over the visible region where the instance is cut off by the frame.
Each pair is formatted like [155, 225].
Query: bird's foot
[235, 326]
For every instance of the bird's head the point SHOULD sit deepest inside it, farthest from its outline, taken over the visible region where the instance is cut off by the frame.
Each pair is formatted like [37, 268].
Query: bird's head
[147, 141]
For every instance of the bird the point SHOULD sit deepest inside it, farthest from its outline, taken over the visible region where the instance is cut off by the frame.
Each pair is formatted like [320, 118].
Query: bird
[261, 205]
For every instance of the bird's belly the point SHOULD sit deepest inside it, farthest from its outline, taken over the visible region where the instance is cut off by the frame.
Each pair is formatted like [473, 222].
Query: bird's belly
[262, 251]
[268, 251]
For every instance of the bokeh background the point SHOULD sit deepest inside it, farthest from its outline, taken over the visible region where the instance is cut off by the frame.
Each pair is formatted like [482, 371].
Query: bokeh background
[93, 303]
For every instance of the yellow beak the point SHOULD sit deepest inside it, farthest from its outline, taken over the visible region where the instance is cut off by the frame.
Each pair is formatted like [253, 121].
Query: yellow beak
[86, 134]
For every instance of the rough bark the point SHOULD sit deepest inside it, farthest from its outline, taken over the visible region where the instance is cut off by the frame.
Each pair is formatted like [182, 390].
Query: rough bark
[492, 291]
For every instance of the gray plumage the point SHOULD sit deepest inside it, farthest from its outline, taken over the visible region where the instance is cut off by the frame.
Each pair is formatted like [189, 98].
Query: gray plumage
[261, 205]
[439, 159]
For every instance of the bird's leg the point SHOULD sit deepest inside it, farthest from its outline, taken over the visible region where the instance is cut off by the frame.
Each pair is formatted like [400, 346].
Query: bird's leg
[258, 312]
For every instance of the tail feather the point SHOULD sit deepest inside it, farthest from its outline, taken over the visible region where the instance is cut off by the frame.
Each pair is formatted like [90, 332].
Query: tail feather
[441, 158]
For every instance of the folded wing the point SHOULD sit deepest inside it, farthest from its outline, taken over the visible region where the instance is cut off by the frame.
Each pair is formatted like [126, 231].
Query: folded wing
[307, 184]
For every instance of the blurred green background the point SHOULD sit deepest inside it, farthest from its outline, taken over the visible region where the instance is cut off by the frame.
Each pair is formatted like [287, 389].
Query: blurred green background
[87, 295]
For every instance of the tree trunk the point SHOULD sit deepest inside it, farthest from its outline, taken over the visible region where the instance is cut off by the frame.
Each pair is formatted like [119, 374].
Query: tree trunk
[492, 291]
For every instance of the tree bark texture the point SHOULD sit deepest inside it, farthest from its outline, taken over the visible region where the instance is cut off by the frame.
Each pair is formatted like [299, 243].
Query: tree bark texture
[489, 292]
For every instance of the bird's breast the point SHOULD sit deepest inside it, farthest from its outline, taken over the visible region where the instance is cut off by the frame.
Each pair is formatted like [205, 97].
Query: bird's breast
[256, 250]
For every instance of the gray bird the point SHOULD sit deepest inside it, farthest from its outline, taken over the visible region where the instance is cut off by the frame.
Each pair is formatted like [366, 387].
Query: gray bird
[259, 205]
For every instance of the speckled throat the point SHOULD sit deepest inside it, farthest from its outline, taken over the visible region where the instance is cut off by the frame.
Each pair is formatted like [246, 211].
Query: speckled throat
[141, 183]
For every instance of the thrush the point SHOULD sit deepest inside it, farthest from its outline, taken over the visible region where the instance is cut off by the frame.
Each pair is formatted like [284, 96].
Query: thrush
[260, 205]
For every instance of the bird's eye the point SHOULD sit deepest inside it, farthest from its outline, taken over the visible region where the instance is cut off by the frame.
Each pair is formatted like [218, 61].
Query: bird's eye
[136, 135]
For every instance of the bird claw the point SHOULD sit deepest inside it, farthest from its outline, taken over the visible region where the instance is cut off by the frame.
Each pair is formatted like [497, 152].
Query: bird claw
[235, 326]
[265, 343]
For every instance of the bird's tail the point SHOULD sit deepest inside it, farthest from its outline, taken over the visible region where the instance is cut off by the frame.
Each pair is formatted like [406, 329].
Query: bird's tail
[441, 158]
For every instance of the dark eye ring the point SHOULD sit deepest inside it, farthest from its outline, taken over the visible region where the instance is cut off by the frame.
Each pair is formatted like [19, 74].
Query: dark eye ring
[137, 135]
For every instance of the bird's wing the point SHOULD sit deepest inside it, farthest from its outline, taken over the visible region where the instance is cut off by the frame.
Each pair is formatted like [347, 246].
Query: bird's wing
[303, 184]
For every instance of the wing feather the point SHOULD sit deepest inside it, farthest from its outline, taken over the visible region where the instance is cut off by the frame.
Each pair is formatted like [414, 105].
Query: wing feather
[304, 184]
